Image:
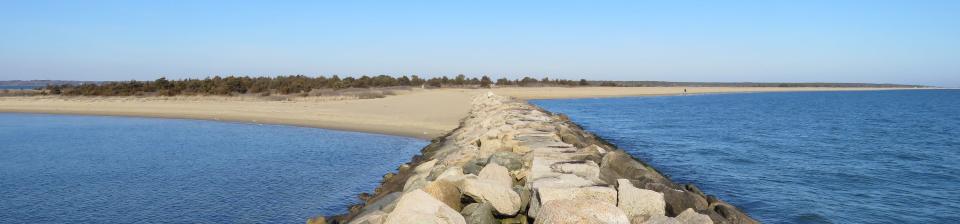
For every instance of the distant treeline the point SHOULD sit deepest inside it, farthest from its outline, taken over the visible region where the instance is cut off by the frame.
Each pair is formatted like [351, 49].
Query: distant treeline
[297, 84]
[745, 84]
[300, 84]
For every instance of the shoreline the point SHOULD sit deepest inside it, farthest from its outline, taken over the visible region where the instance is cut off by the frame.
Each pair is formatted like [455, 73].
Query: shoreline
[718, 93]
[421, 114]
[545, 93]
[417, 114]
[391, 131]
[514, 162]
[294, 125]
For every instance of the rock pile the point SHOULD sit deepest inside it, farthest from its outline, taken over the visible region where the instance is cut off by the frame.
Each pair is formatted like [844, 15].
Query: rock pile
[511, 162]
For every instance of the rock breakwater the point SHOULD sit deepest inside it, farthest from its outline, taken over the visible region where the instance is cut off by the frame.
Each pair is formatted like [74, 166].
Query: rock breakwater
[512, 162]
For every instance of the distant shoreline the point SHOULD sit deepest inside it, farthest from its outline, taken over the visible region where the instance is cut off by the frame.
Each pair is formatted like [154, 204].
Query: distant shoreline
[605, 92]
[419, 113]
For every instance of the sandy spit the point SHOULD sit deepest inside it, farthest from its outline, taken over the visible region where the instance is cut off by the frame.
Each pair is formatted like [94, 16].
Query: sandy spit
[420, 114]
[423, 114]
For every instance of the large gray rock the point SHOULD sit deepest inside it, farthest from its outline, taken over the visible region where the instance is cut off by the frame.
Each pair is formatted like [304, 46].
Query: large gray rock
[590, 153]
[425, 167]
[692, 217]
[479, 213]
[605, 194]
[497, 174]
[686, 217]
[587, 169]
[534, 209]
[543, 174]
[501, 197]
[580, 211]
[376, 212]
[656, 219]
[678, 200]
[374, 217]
[470, 208]
[419, 178]
[569, 136]
[474, 166]
[639, 202]
[419, 207]
[510, 160]
[540, 168]
[619, 165]
[562, 181]
[452, 175]
[417, 181]
[595, 149]
[383, 202]
[525, 195]
[729, 213]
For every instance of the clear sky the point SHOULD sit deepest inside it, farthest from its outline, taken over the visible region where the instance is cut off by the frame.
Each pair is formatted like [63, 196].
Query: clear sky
[910, 42]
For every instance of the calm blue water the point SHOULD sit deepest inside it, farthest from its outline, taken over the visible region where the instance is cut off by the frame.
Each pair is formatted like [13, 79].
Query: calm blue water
[90, 169]
[814, 157]
[19, 87]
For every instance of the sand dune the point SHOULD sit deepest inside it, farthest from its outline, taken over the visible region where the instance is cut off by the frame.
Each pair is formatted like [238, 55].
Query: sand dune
[418, 113]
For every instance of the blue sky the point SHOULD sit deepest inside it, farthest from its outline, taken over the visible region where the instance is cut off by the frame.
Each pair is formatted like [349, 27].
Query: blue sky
[915, 42]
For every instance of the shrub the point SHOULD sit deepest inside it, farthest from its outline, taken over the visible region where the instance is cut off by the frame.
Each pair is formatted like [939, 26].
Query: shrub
[370, 95]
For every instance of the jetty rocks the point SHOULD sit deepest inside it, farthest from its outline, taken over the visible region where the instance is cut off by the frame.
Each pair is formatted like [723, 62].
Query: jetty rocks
[512, 162]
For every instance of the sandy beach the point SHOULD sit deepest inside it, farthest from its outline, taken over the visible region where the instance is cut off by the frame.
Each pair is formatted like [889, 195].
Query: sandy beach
[419, 113]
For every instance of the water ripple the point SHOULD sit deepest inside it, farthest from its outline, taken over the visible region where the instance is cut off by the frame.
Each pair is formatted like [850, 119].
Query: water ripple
[815, 157]
[90, 169]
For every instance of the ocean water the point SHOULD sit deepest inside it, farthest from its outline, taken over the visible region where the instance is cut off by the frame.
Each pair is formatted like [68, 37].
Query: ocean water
[18, 87]
[97, 169]
[806, 157]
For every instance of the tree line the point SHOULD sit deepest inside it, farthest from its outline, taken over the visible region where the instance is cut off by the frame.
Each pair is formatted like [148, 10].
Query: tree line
[294, 84]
